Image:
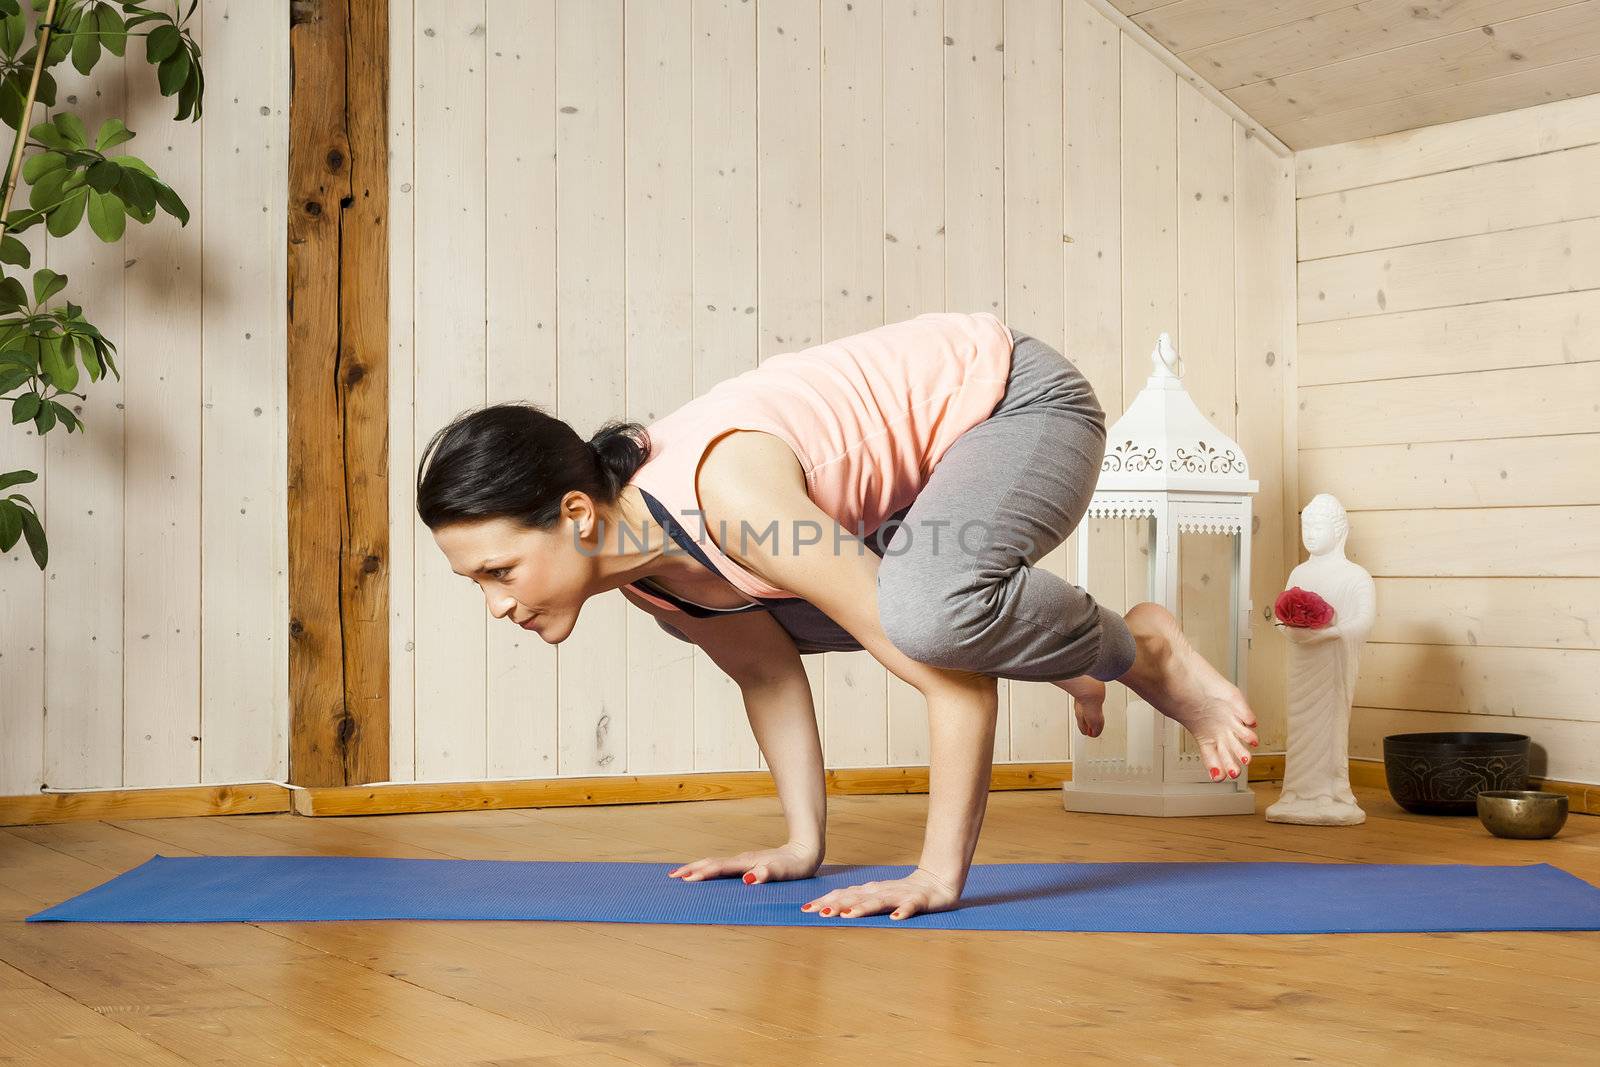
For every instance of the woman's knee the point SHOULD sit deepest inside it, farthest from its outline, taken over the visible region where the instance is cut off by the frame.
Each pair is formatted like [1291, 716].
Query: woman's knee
[925, 619]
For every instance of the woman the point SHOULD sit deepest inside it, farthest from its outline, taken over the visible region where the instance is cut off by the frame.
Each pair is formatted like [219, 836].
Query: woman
[956, 450]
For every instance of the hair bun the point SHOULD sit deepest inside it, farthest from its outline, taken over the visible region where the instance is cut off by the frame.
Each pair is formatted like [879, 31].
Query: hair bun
[620, 448]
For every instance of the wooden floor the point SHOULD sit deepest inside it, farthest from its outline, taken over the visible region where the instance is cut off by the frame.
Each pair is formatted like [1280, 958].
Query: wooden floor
[550, 993]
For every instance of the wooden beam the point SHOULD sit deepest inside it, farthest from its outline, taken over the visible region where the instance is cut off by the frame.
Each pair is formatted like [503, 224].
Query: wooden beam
[338, 392]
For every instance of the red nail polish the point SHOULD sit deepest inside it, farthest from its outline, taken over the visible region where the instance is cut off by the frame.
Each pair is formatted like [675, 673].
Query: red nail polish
[749, 879]
[827, 911]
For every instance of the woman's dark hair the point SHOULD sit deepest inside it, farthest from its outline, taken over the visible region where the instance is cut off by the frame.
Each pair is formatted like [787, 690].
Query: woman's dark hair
[516, 461]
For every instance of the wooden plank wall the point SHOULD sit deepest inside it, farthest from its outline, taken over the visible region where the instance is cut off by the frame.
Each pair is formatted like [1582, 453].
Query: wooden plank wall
[605, 208]
[1449, 312]
[151, 651]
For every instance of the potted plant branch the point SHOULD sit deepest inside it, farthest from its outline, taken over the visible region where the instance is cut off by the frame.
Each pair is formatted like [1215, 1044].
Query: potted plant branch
[71, 177]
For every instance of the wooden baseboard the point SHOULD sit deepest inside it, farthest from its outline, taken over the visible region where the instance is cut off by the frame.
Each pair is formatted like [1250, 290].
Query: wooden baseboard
[638, 789]
[169, 802]
[408, 797]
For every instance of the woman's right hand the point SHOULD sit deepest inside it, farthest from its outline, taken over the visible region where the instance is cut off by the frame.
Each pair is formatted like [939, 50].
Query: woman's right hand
[785, 863]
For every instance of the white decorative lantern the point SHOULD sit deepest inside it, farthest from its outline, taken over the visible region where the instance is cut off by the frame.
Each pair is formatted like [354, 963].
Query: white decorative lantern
[1166, 462]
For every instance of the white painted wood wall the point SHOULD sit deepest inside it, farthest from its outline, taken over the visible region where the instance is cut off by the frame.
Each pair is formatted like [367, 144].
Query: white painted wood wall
[608, 208]
[605, 208]
[153, 648]
[1449, 395]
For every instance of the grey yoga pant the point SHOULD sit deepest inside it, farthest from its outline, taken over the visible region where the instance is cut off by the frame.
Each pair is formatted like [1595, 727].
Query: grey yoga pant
[956, 585]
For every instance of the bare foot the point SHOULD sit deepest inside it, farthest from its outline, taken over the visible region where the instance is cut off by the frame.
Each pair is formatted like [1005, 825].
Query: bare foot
[1179, 682]
[1088, 698]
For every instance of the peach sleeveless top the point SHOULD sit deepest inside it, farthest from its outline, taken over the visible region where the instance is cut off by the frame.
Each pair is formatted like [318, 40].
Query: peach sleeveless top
[867, 416]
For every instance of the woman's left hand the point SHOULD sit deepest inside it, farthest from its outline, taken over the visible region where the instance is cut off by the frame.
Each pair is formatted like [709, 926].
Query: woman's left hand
[918, 892]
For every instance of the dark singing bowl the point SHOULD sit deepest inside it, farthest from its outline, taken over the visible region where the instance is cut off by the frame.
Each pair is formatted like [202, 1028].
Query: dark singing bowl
[1443, 773]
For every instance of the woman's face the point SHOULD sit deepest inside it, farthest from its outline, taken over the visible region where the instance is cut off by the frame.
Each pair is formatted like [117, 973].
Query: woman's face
[538, 577]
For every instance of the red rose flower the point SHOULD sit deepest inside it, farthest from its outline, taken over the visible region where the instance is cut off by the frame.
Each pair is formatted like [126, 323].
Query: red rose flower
[1302, 607]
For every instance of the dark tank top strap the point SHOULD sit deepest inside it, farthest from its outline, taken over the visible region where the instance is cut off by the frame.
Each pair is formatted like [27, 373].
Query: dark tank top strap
[687, 543]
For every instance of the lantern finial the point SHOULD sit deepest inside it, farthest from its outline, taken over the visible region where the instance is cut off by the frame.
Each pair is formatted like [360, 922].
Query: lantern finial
[1165, 358]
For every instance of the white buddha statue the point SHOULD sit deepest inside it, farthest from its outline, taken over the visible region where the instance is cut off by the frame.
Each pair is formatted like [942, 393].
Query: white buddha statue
[1323, 665]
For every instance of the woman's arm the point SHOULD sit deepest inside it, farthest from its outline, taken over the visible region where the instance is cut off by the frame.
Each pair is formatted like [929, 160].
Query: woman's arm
[758, 654]
[760, 481]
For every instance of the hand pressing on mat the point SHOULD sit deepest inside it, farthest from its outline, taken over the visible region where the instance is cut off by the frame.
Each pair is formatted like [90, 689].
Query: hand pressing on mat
[920, 891]
[785, 863]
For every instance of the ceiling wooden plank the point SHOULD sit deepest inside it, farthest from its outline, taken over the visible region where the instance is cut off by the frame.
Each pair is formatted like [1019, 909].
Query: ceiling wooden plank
[1135, 7]
[1458, 59]
[1353, 31]
[1561, 81]
[1191, 24]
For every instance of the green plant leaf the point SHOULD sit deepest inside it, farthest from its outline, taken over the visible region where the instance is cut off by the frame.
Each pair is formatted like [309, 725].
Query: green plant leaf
[10, 478]
[138, 191]
[10, 104]
[112, 133]
[13, 28]
[47, 283]
[12, 292]
[47, 134]
[108, 216]
[85, 50]
[173, 72]
[35, 535]
[47, 190]
[137, 164]
[199, 86]
[46, 93]
[162, 43]
[38, 164]
[11, 377]
[103, 176]
[65, 416]
[10, 523]
[171, 204]
[44, 420]
[188, 95]
[14, 251]
[71, 127]
[112, 31]
[26, 407]
[59, 371]
[91, 358]
[64, 219]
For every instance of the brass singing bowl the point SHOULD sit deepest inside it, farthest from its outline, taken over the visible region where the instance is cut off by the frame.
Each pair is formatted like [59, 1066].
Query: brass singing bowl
[1522, 812]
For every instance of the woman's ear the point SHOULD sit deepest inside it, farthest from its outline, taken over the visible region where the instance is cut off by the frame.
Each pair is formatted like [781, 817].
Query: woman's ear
[579, 508]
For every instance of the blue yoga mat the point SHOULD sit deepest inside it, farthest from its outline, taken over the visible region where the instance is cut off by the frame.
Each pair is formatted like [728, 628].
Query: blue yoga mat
[1194, 898]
